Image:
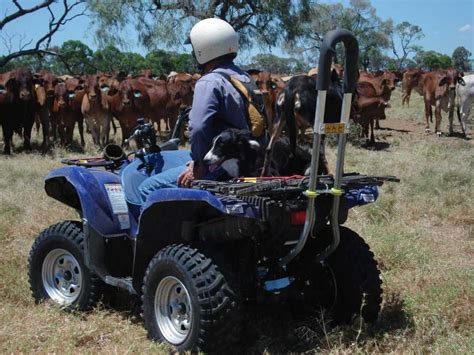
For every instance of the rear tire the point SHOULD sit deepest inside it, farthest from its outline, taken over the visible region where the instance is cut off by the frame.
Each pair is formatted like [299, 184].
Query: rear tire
[358, 287]
[188, 302]
[57, 270]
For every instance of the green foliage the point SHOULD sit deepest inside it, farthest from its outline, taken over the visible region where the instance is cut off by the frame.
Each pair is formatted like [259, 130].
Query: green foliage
[76, 58]
[432, 60]
[461, 59]
[259, 22]
[359, 17]
[405, 34]
[275, 64]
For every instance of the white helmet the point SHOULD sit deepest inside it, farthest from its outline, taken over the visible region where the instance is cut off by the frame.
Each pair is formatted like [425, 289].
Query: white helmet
[212, 38]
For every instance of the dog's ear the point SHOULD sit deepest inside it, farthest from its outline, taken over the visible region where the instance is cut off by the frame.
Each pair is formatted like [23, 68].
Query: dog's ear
[254, 144]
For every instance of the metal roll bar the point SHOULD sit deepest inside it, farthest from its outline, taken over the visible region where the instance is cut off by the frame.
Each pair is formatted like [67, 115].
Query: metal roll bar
[327, 52]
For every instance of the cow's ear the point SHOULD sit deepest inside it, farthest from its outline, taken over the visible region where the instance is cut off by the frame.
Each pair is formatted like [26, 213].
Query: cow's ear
[335, 75]
[461, 73]
[37, 80]
[461, 81]
[443, 81]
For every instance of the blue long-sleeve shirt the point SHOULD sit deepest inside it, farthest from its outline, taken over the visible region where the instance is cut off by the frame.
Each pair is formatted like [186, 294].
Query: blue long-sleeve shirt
[217, 105]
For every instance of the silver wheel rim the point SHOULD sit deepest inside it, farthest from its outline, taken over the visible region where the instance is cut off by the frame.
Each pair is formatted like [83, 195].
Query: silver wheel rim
[62, 276]
[173, 310]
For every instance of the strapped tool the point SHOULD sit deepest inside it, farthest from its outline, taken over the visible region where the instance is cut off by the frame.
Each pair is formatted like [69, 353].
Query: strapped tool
[327, 51]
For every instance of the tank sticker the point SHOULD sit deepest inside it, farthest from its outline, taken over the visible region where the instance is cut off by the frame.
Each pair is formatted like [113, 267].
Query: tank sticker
[116, 198]
[124, 221]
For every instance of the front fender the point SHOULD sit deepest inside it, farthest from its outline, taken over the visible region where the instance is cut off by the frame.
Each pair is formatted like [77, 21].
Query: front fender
[84, 190]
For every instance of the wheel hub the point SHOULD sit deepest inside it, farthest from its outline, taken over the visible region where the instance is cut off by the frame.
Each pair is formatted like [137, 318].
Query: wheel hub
[173, 310]
[62, 276]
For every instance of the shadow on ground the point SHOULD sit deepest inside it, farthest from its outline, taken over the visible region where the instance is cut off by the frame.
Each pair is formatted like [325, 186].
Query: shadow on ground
[377, 146]
[276, 329]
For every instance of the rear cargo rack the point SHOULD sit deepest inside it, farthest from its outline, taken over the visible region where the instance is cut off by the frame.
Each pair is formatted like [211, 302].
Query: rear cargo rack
[281, 185]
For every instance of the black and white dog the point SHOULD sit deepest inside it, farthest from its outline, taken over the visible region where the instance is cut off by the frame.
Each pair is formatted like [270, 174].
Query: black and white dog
[238, 155]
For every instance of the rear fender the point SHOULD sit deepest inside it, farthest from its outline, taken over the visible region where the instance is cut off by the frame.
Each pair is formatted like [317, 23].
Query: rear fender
[170, 215]
[84, 190]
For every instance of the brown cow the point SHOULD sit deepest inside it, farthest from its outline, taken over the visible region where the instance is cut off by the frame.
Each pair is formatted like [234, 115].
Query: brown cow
[45, 83]
[384, 82]
[129, 102]
[95, 108]
[158, 92]
[439, 90]
[368, 105]
[180, 91]
[7, 90]
[410, 81]
[270, 87]
[24, 103]
[68, 98]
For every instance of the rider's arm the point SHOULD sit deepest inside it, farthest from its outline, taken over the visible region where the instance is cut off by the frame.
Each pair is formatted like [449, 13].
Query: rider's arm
[205, 107]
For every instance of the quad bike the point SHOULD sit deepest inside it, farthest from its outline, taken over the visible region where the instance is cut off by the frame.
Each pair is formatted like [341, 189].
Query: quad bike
[196, 256]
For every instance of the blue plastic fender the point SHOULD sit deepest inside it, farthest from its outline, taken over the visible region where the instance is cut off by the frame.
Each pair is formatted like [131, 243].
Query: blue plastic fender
[165, 210]
[84, 189]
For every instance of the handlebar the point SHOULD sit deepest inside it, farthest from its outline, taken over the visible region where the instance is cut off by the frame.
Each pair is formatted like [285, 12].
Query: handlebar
[144, 134]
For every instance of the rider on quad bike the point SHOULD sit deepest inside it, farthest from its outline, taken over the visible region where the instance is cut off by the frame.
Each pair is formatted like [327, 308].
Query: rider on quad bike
[196, 256]
[217, 105]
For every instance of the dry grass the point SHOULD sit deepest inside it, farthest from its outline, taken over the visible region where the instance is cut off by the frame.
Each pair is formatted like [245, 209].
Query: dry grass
[421, 231]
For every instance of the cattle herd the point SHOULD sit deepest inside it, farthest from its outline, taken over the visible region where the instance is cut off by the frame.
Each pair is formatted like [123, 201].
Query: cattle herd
[56, 103]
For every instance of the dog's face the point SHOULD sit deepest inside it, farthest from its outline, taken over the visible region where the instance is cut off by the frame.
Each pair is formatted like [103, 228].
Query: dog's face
[234, 152]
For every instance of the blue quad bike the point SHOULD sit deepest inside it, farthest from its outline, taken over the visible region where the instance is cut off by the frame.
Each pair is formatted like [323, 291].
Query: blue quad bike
[196, 256]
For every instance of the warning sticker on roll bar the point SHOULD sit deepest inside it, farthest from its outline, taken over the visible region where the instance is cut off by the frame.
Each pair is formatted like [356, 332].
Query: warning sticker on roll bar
[116, 198]
[334, 128]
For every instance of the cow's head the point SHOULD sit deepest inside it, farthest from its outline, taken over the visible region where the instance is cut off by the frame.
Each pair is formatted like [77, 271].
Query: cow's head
[74, 87]
[388, 80]
[107, 84]
[91, 87]
[265, 83]
[47, 80]
[24, 80]
[7, 87]
[450, 78]
[412, 76]
[132, 94]
[60, 96]
[181, 92]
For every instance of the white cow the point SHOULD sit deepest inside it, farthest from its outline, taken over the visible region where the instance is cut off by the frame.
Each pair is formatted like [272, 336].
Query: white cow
[465, 98]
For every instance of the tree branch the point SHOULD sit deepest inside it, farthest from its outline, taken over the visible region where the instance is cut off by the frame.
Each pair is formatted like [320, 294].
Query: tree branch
[42, 45]
[21, 11]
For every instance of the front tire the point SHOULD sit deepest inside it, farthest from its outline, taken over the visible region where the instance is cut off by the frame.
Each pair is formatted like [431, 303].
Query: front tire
[57, 270]
[188, 302]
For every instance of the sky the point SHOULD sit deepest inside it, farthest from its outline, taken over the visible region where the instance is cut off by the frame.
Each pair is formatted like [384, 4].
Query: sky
[446, 24]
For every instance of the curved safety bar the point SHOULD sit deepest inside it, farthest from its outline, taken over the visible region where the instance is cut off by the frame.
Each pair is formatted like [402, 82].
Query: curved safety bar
[327, 52]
